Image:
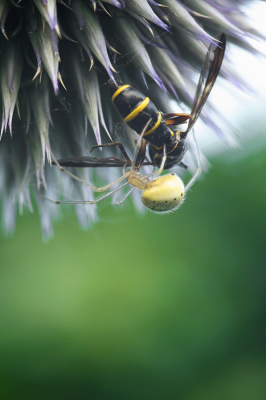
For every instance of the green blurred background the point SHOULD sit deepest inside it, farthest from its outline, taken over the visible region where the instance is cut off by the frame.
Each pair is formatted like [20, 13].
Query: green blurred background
[143, 307]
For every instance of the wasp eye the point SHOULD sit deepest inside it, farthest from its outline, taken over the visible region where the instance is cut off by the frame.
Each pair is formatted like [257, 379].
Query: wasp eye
[164, 193]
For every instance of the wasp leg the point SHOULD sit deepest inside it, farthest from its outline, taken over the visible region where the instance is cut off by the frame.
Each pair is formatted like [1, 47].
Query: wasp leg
[121, 147]
[199, 170]
[183, 165]
[94, 188]
[118, 159]
[140, 150]
[160, 170]
[84, 201]
[141, 155]
[145, 157]
[176, 118]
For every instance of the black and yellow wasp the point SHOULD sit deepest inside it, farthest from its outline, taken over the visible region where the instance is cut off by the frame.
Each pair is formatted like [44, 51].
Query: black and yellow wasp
[136, 109]
[167, 143]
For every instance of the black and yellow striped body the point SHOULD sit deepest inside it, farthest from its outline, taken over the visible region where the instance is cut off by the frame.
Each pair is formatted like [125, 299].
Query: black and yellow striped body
[174, 156]
[136, 110]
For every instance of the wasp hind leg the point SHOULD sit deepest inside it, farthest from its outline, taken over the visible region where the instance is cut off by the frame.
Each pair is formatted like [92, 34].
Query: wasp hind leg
[121, 147]
[94, 188]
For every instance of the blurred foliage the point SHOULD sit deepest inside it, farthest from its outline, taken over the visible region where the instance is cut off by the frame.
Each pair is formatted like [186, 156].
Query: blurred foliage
[142, 307]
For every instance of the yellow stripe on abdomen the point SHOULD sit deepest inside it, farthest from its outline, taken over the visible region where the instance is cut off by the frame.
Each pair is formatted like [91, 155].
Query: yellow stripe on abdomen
[137, 110]
[156, 125]
[119, 91]
[156, 147]
[173, 148]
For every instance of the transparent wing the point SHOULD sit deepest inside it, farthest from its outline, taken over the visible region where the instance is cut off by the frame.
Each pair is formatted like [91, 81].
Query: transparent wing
[209, 73]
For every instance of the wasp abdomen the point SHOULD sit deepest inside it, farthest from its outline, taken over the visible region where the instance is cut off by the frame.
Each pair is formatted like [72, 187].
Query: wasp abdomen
[174, 155]
[136, 110]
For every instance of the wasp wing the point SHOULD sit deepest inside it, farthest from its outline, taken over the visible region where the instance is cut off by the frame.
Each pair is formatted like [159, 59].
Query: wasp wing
[94, 162]
[90, 162]
[209, 73]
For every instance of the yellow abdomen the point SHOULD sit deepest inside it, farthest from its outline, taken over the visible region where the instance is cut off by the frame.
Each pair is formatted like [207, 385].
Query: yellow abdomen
[164, 193]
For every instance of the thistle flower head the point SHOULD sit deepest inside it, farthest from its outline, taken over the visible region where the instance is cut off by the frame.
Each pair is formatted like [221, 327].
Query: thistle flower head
[56, 58]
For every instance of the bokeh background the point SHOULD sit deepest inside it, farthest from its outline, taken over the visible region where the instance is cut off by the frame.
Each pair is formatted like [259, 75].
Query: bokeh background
[144, 307]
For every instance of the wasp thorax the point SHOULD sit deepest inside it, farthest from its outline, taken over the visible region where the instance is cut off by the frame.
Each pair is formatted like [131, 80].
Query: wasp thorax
[164, 193]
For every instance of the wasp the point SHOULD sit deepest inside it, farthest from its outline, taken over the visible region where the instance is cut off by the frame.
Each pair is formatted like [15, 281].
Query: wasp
[167, 144]
[136, 109]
